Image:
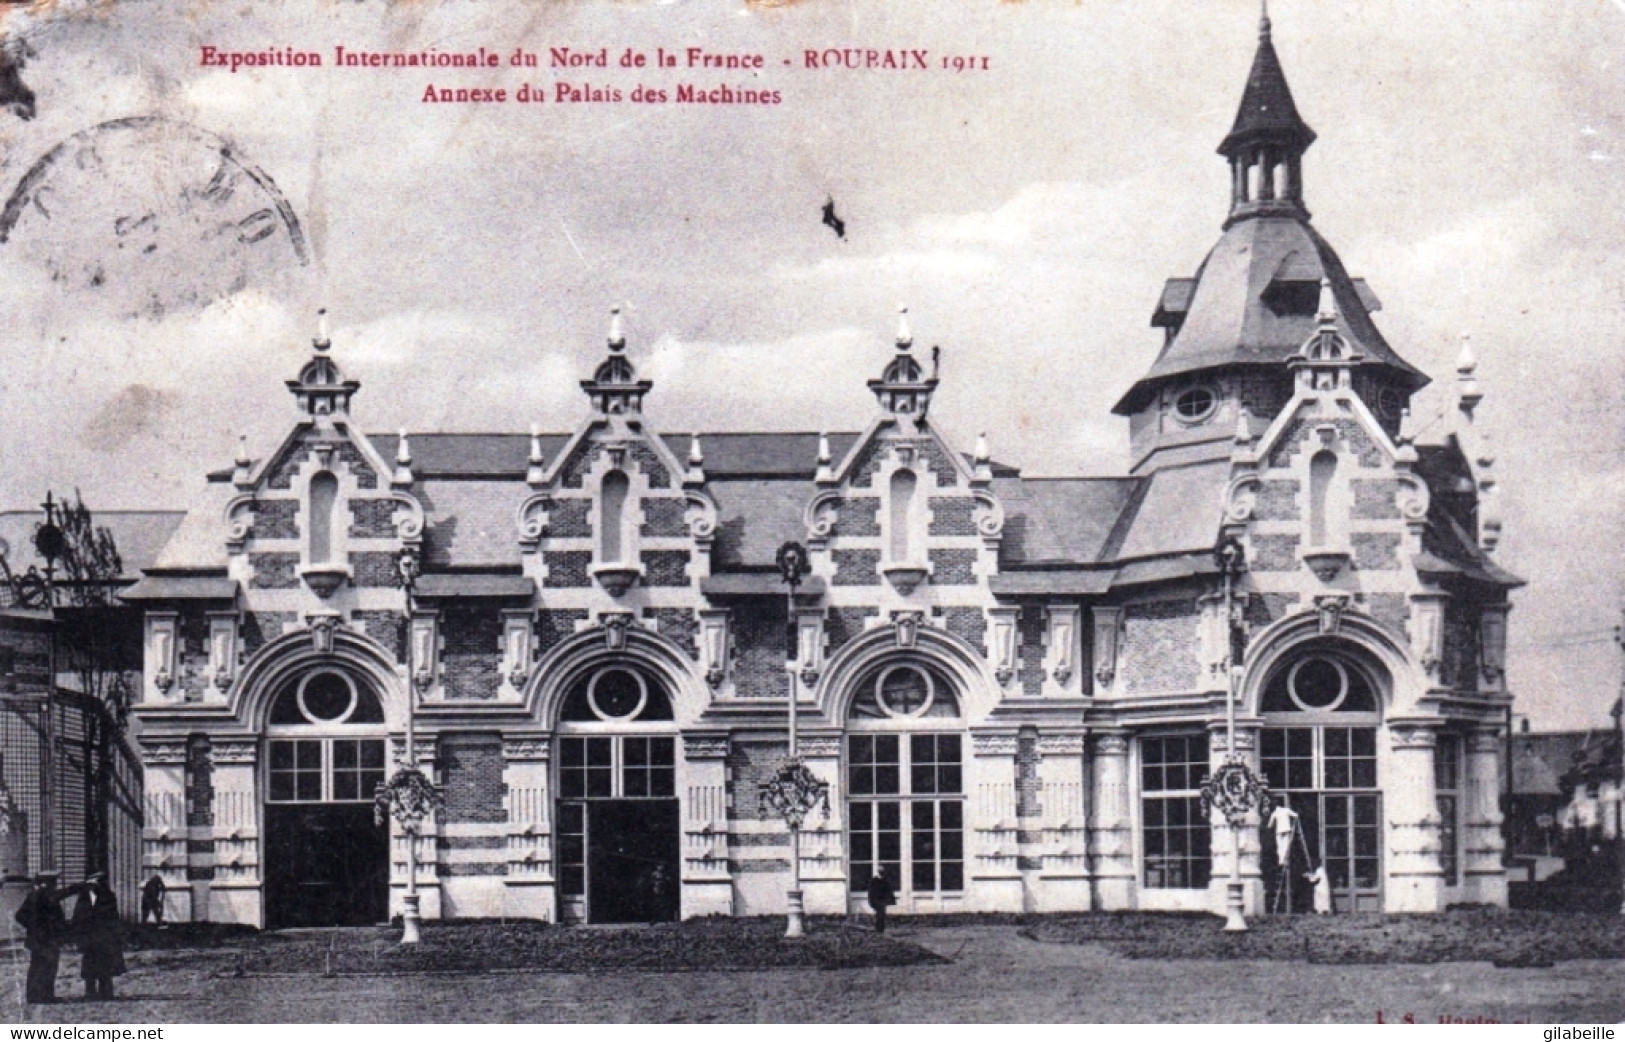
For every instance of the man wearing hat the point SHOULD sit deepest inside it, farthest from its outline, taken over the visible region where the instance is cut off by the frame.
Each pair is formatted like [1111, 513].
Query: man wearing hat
[43, 927]
[99, 931]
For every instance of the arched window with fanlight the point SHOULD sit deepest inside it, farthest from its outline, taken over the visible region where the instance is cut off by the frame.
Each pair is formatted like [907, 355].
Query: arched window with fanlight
[1318, 752]
[326, 856]
[617, 808]
[905, 786]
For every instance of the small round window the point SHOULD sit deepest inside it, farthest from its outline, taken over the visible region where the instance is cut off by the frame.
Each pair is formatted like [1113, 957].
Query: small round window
[904, 691]
[327, 698]
[1195, 404]
[617, 694]
[1318, 684]
[1389, 403]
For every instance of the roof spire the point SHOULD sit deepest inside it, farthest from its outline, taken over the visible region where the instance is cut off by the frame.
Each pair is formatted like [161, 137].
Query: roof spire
[1266, 143]
[321, 389]
[903, 387]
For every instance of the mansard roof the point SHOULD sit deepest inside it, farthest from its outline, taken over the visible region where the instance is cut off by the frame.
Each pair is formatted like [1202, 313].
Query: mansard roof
[1253, 303]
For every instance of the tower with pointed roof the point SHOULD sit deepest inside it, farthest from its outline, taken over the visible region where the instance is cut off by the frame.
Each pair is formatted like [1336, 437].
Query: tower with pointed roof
[1230, 329]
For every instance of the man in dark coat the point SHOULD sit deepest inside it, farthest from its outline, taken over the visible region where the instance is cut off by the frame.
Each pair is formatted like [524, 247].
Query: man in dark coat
[881, 896]
[40, 916]
[100, 933]
[152, 899]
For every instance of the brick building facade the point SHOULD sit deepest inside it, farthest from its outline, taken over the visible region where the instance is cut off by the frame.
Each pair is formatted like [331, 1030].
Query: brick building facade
[1013, 687]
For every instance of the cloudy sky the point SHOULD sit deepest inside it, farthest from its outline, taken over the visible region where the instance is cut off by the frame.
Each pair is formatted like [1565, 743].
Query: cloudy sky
[1469, 165]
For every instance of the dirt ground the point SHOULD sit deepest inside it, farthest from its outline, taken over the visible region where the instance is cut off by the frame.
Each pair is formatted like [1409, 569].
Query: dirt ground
[996, 974]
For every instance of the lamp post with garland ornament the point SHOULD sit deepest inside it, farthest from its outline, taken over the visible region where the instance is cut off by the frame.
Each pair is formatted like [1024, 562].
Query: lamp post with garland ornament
[794, 790]
[1233, 788]
[409, 797]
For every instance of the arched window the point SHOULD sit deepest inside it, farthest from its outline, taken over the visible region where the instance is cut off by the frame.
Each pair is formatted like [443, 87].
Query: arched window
[1322, 468]
[324, 494]
[1318, 751]
[903, 484]
[612, 496]
[905, 782]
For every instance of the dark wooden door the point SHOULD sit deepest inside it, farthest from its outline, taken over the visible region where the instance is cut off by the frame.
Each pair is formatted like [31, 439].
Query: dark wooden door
[325, 865]
[633, 861]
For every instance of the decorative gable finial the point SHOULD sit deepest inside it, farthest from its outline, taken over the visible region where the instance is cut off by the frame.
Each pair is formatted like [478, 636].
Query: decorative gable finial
[826, 468]
[1468, 394]
[696, 462]
[321, 389]
[903, 388]
[242, 465]
[615, 388]
[1244, 426]
[403, 461]
[1324, 360]
[982, 459]
[537, 466]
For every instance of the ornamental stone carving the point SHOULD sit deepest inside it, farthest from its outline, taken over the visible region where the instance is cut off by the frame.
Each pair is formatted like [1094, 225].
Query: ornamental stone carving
[993, 744]
[526, 747]
[163, 751]
[234, 750]
[705, 746]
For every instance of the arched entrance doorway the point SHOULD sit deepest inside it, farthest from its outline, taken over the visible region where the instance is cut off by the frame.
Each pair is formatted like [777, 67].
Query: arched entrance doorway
[905, 784]
[619, 844]
[326, 859]
[1318, 750]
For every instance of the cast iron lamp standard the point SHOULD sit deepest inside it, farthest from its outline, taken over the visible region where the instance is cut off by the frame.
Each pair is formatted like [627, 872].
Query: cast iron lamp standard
[794, 790]
[1234, 789]
[51, 544]
[408, 796]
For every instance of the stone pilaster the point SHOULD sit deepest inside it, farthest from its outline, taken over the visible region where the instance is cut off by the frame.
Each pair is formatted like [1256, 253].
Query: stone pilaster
[1112, 837]
[1415, 877]
[1065, 881]
[995, 876]
[164, 832]
[702, 777]
[526, 759]
[234, 893]
[1482, 842]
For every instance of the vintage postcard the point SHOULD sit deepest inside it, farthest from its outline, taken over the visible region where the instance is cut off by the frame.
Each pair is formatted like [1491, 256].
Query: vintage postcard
[840, 510]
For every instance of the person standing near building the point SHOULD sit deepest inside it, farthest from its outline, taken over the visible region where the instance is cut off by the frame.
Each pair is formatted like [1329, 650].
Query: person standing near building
[881, 897]
[99, 932]
[40, 916]
[152, 899]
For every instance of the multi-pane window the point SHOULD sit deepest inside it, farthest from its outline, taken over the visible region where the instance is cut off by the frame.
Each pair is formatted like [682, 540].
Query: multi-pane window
[1177, 839]
[1328, 775]
[607, 766]
[906, 812]
[572, 851]
[1447, 786]
[325, 770]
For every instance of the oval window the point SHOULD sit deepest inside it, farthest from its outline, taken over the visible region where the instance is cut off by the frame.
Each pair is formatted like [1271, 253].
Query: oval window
[1388, 403]
[1318, 684]
[326, 698]
[617, 694]
[904, 691]
[1195, 404]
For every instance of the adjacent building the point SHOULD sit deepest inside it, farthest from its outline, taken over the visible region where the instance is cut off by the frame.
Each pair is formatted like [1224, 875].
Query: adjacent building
[1013, 687]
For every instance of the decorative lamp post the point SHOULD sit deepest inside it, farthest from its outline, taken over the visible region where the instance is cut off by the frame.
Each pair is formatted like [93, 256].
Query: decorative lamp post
[409, 796]
[794, 790]
[51, 544]
[1233, 788]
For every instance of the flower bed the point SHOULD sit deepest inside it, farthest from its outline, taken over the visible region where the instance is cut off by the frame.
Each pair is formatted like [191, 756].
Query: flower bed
[1508, 938]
